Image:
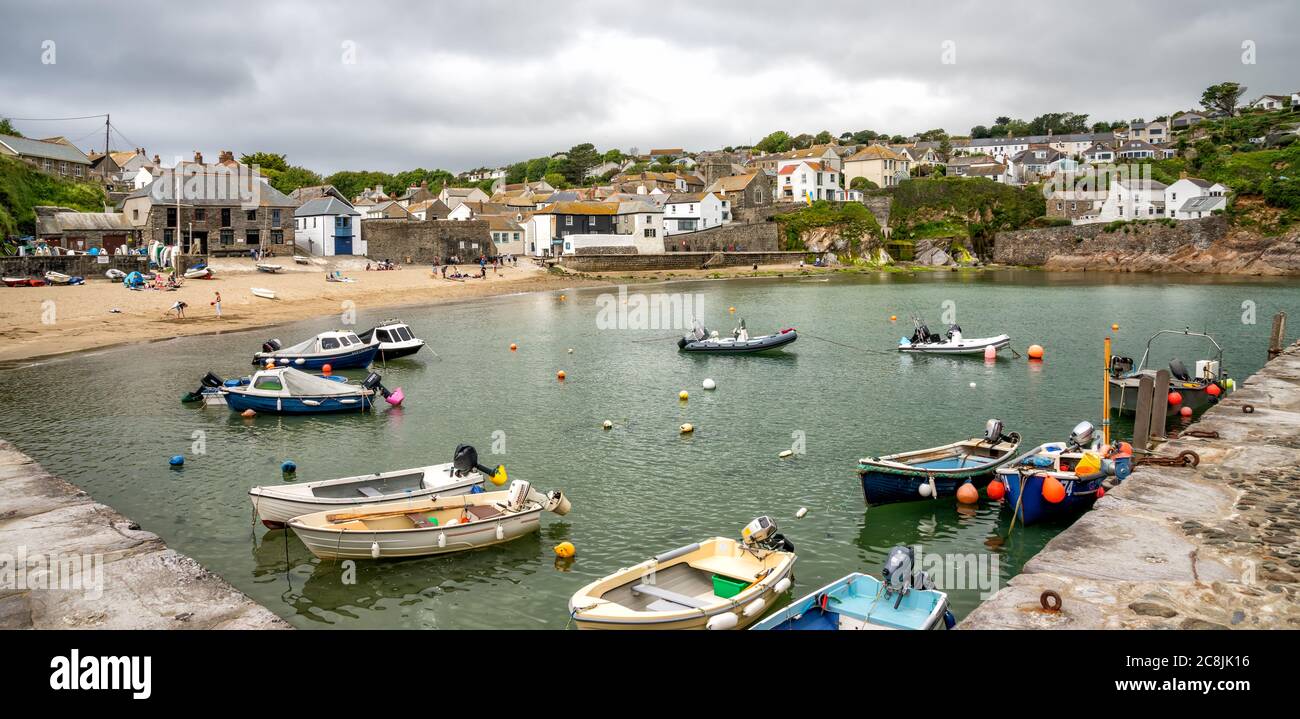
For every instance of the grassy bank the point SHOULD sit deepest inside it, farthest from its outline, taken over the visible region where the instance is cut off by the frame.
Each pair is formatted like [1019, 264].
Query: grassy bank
[23, 187]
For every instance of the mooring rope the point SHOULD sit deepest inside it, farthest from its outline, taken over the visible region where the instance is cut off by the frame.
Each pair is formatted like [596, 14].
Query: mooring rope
[841, 344]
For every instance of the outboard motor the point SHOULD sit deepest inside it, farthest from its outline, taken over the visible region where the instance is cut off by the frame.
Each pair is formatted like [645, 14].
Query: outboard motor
[1081, 435]
[1179, 370]
[993, 431]
[372, 383]
[954, 332]
[212, 380]
[465, 459]
[271, 345]
[1120, 366]
[897, 572]
[761, 532]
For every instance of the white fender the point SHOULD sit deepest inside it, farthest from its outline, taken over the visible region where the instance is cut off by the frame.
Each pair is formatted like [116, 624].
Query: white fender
[782, 585]
[726, 620]
[374, 550]
[501, 532]
[442, 539]
[755, 607]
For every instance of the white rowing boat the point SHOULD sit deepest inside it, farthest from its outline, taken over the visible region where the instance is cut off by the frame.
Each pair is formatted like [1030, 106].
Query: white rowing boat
[262, 292]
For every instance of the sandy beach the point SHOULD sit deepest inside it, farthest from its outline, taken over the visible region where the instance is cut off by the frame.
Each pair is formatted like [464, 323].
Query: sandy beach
[45, 321]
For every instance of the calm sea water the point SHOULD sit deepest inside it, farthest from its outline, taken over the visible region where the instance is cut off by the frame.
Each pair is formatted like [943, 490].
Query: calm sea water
[108, 421]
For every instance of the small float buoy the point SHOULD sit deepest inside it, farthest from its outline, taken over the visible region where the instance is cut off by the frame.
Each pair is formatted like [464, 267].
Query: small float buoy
[560, 375]
[732, 310]
[288, 466]
[803, 512]
[270, 364]
[972, 385]
[1185, 411]
[723, 621]
[683, 395]
[501, 532]
[565, 550]
[990, 352]
[513, 347]
[1035, 352]
[786, 453]
[562, 298]
[500, 477]
[967, 494]
[1214, 390]
[924, 489]
[326, 369]
[1114, 328]
[608, 424]
[570, 350]
[996, 490]
[248, 413]
[709, 383]
[1053, 490]
[374, 550]
[893, 318]
[686, 428]
[1175, 399]
[1231, 384]
[300, 361]
[1101, 492]
[442, 540]
[176, 460]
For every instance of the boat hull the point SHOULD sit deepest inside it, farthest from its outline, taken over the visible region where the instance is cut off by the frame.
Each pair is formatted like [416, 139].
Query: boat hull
[277, 509]
[1124, 395]
[397, 350]
[858, 604]
[239, 402]
[880, 486]
[395, 544]
[769, 343]
[964, 347]
[1024, 495]
[353, 359]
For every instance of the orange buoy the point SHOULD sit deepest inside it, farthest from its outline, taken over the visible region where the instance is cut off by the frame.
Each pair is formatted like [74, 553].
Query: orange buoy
[560, 375]
[1101, 492]
[893, 318]
[996, 490]
[1175, 399]
[1214, 390]
[561, 298]
[1035, 352]
[1185, 411]
[732, 310]
[1114, 328]
[513, 347]
[1053, 490]
[967, 494]
[326, 369]
[248, 413]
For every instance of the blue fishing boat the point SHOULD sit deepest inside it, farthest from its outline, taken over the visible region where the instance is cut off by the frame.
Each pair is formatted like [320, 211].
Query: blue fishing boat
[1059, 479]
[903, 600]
[339, 350]
[285, 390]
[938, 471]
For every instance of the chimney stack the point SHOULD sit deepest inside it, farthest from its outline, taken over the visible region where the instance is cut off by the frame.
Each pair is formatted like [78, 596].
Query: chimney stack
[198, 157]
[157, 160]
[227, 156]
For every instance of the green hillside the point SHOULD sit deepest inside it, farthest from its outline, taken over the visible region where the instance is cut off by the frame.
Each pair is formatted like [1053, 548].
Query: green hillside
[22, 188]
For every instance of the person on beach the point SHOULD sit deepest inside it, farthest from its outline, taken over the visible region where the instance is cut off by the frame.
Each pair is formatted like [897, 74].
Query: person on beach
[217, 305]
[179, 309]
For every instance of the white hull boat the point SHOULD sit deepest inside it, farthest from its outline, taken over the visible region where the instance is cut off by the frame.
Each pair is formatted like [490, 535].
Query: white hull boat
[198, 273]
[262, 292]
[427, 527]
[951, 343]
[115, 274]
[395, 339]
[264, 267]
[276, 504]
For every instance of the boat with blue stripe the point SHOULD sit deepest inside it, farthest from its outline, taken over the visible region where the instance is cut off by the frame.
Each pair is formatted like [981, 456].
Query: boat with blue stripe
[860, 601]
[937, 471]
[338, 349]
[285, 390]
[1060, 479]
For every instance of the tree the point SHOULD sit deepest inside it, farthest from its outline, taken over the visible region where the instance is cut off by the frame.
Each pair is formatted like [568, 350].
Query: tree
[945, 149]
[802, 141]
[979, 132]
[823, 138]
[266, 161]
[7, 128]
[580, 158]
[612, 156]
[292, 178]
[1222, 97]
[778, 141]
[862, 183]
[1003, 120]
[556, 180]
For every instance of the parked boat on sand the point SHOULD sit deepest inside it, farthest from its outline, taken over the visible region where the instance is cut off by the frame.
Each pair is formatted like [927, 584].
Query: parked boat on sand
[717, 583]
[937, 471]
[338, 349]
[269, 268]
[428, 526]
[276, 504]
[24, 282]
[901, 600]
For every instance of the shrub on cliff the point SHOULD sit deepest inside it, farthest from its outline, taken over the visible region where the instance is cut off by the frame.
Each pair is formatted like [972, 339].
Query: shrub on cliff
[23, 187]
[854, 223]
[969, 199]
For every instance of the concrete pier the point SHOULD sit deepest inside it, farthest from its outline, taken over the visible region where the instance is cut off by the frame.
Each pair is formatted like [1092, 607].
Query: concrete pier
[1213, 547]
[68, 562]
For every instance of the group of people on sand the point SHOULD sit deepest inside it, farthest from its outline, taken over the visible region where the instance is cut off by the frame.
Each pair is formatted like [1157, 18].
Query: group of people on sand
[450, 269]
[382, 265]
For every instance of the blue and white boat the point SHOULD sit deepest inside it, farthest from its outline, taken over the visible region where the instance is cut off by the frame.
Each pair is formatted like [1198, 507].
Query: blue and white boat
[860, 601]
[938, 471]
[285, 390]
[1026, 480]
[338, 349]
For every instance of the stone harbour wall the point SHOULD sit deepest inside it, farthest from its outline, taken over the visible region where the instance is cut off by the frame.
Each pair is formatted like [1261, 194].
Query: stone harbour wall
[422, 241]
[87, 266]
[737, 237]
[1038, 247]
[678, 261]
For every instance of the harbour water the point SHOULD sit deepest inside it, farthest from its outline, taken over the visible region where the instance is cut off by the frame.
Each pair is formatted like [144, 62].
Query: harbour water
[107, 421]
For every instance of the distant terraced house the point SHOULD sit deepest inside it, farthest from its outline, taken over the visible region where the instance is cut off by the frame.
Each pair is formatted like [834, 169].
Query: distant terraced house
[54, 155]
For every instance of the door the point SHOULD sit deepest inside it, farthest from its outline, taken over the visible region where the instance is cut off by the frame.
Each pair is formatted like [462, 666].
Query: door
[342, 245]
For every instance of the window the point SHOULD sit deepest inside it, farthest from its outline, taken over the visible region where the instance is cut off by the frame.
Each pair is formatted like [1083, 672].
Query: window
[167, 236]
[591, 221]
[271, 382]
[250, 215]
[200, 214]
[277, 237]
[227, 237]
[568, 221]
[225, 217]
[135, 213]
[329, 343]
[649, 232]
[275, 218]
[252, 237]
[343, 222]
[171, 215]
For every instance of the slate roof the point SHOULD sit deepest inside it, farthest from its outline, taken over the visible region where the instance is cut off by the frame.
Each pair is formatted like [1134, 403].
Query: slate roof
[324, 206]
[28, 147]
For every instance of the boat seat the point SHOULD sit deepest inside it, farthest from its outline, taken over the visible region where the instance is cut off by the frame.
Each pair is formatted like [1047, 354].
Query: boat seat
[724, 566]
[370, 491]
[669, 595]
[418, 520]
[483, 512]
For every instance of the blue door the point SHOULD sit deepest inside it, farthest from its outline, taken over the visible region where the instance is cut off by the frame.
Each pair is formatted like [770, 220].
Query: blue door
[343, 244]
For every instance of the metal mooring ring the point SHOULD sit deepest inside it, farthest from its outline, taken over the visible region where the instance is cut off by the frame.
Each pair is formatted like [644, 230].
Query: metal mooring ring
[1050, 600]
[1190, 458]
[1248, 408]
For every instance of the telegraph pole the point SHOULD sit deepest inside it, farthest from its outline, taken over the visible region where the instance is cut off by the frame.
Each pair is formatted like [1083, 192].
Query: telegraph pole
[103, 165]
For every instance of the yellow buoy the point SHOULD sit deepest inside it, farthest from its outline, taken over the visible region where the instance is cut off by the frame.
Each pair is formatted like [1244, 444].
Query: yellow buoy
[1114, 328]
[561, 298]
[687, 428]
[732, 310]
[500, 477]
[565, 550]
[683, 395]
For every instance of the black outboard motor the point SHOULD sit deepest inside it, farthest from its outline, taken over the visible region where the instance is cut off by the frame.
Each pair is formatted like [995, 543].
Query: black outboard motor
[271, 345]
[465, 459]
[212, 380]
[953, 328]
[1120, 366]
[372, 382]
[1179, 371]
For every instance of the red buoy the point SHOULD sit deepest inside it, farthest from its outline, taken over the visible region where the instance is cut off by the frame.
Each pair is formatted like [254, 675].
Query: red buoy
[996, 490]
[1175, 399]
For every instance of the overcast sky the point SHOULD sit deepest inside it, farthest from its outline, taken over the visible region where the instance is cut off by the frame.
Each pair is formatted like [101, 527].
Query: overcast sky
[486, 82]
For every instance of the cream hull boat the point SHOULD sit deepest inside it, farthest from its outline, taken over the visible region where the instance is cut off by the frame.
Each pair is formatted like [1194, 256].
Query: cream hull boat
[675, 590]
[427, 527]
[277, 504]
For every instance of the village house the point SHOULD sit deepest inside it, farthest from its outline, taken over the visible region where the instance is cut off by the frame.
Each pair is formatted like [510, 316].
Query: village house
[1191, 198]
[507, 234]
[386, 210]
[997, 172]
[371, 196]
[1072, 206]
[1133, 199]
[695, 211]
[569, 227]
[429, 210]
[1270, 102]
[454, 196]
[878, 164]
[805, 180]
[328, 226]
[826, 154]
[1098, 154]
[1184, 120]
[84, 231]
[744, 193]
[1142, 150]
[1151, 132]
[1037, 163]
[414, 194]
[55, 155]
[218, 210]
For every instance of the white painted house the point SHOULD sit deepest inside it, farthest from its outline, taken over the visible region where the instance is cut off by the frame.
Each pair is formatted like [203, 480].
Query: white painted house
[1192, 198]
[327, 226]
[1133, 199]
[695, 211]
[801, 180]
